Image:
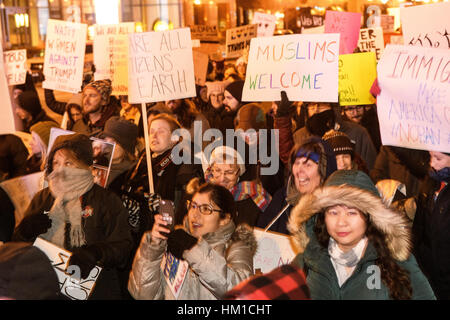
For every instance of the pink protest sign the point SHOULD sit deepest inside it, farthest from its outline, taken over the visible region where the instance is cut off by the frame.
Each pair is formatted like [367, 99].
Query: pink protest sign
[347, 24]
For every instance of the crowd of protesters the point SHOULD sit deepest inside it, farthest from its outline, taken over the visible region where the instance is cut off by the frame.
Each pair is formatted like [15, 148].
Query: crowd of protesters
[331, 192]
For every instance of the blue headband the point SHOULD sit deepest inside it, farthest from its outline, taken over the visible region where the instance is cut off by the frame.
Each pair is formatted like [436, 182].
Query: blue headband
[302, 153]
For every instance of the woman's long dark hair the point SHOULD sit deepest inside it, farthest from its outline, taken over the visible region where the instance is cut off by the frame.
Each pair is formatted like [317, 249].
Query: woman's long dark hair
[395, 278]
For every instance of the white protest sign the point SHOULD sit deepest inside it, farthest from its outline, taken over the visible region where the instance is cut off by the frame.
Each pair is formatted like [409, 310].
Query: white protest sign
[371, 40]
[70, 287]
[274, 249]
[303, 65]
[21, 191]
[64, 55]
[6, 110]
[111, 55]
[174, 271]
[160, 66]
[200, 66]
[427, 25]
[16, 66]
[266, 24]
[315, 30]
[238, 40]
[414, 104]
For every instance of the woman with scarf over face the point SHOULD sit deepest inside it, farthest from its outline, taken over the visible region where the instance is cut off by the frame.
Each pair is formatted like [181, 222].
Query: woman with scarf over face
[353, 246]
[310, 165]
[76, 214]
[431, 226]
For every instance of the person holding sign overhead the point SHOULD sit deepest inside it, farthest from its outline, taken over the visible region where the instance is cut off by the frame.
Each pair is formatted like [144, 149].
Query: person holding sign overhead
[219, 254]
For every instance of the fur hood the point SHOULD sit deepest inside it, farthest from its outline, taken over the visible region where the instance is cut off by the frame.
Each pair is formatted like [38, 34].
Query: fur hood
[392, 224]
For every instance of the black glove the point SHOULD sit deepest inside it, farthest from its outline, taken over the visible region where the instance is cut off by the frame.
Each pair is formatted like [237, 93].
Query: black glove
[86, 258]
[178, 241]
[283, 105]
[34, 225]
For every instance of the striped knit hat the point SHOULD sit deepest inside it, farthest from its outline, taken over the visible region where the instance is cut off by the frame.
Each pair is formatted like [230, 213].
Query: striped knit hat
[103, 87]
[339, 141]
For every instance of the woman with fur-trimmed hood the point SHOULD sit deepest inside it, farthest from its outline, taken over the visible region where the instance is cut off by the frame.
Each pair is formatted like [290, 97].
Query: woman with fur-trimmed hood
[353, 245]
[219, 255]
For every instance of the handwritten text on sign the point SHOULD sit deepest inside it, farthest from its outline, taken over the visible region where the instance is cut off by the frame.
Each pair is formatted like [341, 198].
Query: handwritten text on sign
[371, 40]
[238, 39]
[160, 66]
[6, 110]
[427, 25]
[413, 107]
[347, 24]
[64, 55]
[16, 69]
[357, 72]
[305, 66]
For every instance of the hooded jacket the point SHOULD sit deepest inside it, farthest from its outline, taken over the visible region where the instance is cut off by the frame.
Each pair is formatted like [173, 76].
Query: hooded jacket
[217, 263]
[315, 259]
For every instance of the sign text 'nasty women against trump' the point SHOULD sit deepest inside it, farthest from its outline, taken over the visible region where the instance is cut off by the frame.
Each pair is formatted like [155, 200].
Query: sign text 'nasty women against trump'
[160, 66]
[305, 66]
[413, 107]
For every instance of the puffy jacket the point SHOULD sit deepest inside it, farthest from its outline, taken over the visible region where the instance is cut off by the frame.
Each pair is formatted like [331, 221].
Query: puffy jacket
[217, 263]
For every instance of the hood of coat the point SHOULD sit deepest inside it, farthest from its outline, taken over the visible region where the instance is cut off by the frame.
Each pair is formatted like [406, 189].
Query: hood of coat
[394, 225]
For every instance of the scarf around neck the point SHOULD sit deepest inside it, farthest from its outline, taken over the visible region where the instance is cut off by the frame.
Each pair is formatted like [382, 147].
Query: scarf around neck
[342, 260]
[67, 186]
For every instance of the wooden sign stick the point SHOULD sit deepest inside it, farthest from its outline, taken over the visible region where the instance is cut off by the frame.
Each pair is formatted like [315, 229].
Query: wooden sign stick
[147, 148]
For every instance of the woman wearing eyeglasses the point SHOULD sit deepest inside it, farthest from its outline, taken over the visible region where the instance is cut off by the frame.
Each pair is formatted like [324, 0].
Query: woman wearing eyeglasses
[219, 254]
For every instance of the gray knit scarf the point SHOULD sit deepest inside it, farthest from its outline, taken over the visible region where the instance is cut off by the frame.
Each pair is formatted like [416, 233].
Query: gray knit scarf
[67, 185]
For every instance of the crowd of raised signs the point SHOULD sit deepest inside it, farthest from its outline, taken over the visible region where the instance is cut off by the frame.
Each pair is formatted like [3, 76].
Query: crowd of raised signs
[228, 183]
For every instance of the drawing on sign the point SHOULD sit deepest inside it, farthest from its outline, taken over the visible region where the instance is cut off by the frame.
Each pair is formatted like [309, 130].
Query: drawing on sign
[266, 24]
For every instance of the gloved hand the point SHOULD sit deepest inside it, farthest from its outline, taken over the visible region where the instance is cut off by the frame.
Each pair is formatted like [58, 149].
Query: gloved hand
[283, 105]
[153, 200]
[85, 258]
[178, 241]
[133, 208]
[34, 225]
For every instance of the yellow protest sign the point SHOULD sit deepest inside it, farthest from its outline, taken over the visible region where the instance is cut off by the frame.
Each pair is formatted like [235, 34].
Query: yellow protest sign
[357, 72]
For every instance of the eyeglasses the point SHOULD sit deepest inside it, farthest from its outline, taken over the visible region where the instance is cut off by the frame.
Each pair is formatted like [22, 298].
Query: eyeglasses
[356, 108]
[229, 173]
[205, 209]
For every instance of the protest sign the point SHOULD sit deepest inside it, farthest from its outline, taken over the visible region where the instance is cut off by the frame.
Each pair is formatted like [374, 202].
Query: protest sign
[427, 25]
[307, 20]
[274, 250]
[111, 55]
[371, 40]
[70, 286]
[200, 67]
[386, 22]
[174, 271]
[266, 24]
[314, 30]
[15, 65]
[64, 55]
[238, 40]
[413, 107]
[21, 191]
[347, 24]
[305, 66]
[357, 72]
[160, 66]
[204, 33]
[6, 110]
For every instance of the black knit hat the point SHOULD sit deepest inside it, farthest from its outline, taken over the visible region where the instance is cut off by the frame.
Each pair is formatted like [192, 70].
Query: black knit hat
[235, 89]
[80, 144]
[122, 131]
[339, 141]
[29, 101]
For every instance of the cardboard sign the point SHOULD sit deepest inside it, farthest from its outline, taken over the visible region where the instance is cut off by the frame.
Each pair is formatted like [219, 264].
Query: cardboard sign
[315, 30]
[160, 66]
[357, 72]
[305, 66]
[427, 25]
[111, 55]
[69, 285]
[200, 66]
[6, 110]
[174, 271]
[413, 107]
[274, 249]
[266, 24]
[347, 24]
[16, 66]
[238, 40]
[204, 33]
[371, 40]
[64, 55]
